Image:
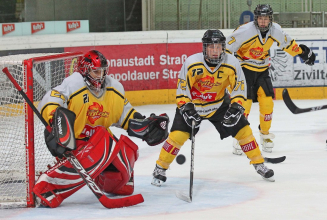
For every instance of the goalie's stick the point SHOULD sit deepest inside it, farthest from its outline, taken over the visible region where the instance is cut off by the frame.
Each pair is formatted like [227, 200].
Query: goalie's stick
[179, 194]
[104, 200]
[296, 110]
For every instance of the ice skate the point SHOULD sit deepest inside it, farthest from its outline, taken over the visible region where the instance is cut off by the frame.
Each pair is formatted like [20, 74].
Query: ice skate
[265, 172]
[237, 150]
[159, 176]
[266, 142]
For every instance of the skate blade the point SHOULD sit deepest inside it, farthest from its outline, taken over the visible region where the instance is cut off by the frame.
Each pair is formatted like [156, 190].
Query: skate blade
[270, 179]
[237, 152]
[156, 182]
[182, 196]
[267, 149]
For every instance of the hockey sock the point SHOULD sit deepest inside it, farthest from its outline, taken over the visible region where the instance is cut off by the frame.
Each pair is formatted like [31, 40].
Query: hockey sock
[249, 145]
[171, 148]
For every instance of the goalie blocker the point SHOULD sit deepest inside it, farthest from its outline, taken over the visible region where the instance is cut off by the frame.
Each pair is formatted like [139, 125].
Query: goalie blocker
[107, 161]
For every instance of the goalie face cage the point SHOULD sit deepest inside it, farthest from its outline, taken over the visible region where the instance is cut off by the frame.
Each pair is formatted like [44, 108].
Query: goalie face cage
[24, 154]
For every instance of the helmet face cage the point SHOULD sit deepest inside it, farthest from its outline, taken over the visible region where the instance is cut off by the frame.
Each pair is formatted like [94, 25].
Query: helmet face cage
[263, 10]
[93, 63]
[212, 37]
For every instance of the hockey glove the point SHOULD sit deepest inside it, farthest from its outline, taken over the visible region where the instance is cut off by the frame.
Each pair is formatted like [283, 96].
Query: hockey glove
[153, 130]
[189, 113]
[307, 55]
[233, 115]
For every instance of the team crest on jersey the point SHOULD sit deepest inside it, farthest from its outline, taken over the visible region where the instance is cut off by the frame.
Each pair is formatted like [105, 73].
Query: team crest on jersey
[95, 112]
[206, 83]
[256, 52]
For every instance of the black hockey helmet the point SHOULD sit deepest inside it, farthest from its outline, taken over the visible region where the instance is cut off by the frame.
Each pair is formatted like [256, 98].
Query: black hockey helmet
[263, 10]
[213, 37]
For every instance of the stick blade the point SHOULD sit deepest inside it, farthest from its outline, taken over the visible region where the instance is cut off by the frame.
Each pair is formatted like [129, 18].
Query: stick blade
[121, 202]
[275, 160]
[182, 196]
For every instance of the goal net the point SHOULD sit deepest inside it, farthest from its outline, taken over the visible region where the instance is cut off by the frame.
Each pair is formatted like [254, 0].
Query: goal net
[23, 153]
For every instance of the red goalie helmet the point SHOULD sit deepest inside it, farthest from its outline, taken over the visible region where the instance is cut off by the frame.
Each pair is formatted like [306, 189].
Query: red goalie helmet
[94, 67]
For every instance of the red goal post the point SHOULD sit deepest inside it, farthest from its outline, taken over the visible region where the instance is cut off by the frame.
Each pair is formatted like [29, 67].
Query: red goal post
[23, 154]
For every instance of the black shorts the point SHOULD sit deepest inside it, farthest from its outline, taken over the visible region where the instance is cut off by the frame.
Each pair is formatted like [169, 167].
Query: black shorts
[256, 79]
[179, 123]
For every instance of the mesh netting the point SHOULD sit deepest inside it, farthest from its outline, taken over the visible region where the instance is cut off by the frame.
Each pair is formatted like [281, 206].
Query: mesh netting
[14, 160]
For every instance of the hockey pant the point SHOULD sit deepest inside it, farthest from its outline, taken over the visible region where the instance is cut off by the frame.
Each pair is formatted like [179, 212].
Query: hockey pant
[95, 155]
[266, 106]
[176, 140]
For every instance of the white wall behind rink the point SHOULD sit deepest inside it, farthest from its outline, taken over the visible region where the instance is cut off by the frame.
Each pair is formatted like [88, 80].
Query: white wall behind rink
[138, 37]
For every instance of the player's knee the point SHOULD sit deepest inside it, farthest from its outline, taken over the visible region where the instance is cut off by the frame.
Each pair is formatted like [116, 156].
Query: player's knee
[178, 138]
[243, 133]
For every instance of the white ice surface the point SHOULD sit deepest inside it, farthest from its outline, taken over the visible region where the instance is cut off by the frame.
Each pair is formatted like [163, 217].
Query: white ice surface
[225, 185]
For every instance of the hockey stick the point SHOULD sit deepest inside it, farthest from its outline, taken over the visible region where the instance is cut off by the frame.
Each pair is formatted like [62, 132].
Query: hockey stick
[296, 110]
[179, 194]
[104, 200]
[274, 160]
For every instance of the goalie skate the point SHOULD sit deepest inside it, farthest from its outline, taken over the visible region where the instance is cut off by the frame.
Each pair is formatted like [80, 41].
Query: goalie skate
[159, 176]
[237, 150]
[265, 172]
[266, 142]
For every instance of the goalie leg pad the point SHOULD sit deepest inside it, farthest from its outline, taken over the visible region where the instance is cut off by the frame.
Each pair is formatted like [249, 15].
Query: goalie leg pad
[118, 177]
[62, 180]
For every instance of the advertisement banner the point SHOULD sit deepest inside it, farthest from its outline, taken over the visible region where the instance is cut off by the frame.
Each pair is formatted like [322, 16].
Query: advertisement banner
[145, 66]
[38, 28]
[11, 29]
[288, 71]
[71, 27]
[44, 27]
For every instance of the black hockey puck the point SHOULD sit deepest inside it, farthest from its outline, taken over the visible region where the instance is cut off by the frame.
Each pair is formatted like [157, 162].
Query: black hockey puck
[180, 159]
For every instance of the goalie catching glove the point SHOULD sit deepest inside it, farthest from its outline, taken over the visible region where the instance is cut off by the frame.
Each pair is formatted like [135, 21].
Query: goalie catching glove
[62, 136]
[307, 55]
[153, 130]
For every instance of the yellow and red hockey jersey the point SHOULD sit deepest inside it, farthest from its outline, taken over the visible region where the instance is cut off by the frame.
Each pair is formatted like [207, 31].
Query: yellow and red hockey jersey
[253, 51]
[112, 108]
[206, 87]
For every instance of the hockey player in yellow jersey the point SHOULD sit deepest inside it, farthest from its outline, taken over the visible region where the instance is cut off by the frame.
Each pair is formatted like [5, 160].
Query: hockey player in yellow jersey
[97, 102]
[201, 95]
[251, 43]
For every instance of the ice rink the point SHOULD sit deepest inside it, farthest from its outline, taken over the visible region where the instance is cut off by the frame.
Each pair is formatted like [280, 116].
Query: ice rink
[225, 185]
